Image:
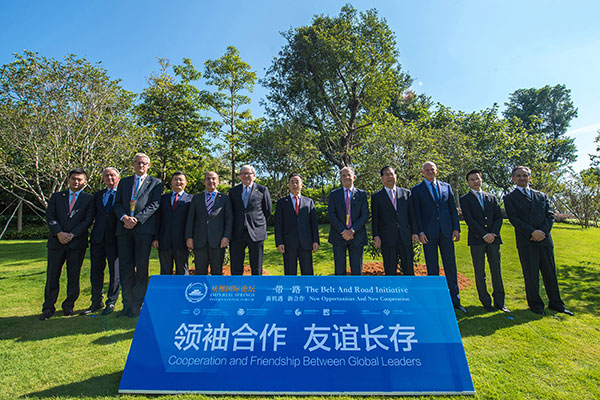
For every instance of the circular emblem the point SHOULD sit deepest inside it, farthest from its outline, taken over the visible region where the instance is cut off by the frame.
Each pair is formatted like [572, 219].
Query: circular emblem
[241, 311]
[196, 292]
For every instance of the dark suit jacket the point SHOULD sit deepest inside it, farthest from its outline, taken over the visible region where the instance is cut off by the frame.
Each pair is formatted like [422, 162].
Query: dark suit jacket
[76, 222]
[529, 215]
[209, 229]
[146, 205]
[480, 221]
[389, 224]
[300, 230]
[105, 224]
[170, 225]
[435, 219]
[254, 216]
[359, 214]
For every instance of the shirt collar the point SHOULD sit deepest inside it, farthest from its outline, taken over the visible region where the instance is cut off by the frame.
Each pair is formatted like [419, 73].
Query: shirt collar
[141, 177]
[179, 193]
[293, 195]
[76, 193]
[477, 191]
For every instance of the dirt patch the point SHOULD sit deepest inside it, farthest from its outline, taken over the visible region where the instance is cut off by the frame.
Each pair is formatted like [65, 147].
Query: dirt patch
[376, 268]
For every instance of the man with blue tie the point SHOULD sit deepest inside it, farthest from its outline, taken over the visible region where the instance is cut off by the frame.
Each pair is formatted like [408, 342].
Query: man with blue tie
[103, 245]
[296, 229]
[348, 211]
[136, 203]
[170, 227]
[208, 227]
[69, 215]
[438, 227]
[531, 214]
[393, 224]
[484, 218]
[251, 206]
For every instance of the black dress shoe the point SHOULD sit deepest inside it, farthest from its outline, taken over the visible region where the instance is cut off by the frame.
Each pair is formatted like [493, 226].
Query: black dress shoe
[46, 314]
[489, 308]
[92, 309]
[67, 312]
[503, 309]
[123, 313]
[461, 308]
[540, 312]
[565, 311]
[108, 309]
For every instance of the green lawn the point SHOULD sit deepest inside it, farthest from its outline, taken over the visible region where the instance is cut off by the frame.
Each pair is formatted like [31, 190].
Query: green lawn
[526, 357]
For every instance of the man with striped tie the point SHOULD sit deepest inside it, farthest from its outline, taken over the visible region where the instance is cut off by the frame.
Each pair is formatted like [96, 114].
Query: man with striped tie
[208, 227]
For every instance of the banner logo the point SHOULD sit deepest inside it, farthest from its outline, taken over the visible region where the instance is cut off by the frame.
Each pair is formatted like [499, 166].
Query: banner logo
[196, 292]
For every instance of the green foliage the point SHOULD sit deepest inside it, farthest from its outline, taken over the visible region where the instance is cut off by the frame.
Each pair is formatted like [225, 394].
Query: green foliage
[170, 111]
[548, 110]
[336, 77]
[231, 76]
[57, 115]
[29, 232]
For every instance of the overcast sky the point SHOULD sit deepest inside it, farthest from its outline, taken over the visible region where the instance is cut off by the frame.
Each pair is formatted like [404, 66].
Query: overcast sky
[465, 54]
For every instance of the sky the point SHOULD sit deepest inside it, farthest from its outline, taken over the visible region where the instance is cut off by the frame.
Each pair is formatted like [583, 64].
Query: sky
[465, 54]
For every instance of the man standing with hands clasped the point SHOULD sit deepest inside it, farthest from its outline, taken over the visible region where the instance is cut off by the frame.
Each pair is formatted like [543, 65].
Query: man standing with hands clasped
[438, 227]
[296, 229]
[484, 218]
[531, 214]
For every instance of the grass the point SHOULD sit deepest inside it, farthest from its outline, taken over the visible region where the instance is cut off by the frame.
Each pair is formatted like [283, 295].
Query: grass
[526, 357]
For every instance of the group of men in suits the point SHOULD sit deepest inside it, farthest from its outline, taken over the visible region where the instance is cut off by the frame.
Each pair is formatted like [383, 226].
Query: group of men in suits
[132, 215]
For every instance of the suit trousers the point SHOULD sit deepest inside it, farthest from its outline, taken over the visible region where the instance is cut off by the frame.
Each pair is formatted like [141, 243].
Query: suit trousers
[355, 253]
[56, 259]
[134, 257]
[205, 256]
[100, 254]
[292, 255]
[179, 256]
[533, 260]
[237, 252]
[446, 246]
[391, 254]
[478, 253]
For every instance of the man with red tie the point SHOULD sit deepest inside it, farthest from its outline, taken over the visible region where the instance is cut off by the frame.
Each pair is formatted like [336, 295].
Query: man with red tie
[348, 211]
[169, 239]
[296, 229]
[69, 215]
[394, 225]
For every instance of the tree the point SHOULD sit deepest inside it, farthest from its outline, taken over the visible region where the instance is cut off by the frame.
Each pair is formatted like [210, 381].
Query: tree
[170, 111]
[57, 115]
[548, 110]
[231, 76]
[336, 77]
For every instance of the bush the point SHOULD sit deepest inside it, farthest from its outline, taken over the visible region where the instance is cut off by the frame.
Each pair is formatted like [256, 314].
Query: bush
[30, 232]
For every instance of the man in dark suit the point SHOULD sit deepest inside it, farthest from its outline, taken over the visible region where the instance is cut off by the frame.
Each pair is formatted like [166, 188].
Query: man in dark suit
[531, 214]
[69, 215]
[136, 203]
[393, 224]
[484, 218]
[348, 211]
[208, 227]
[170, 227]
[438, 227]
[103, 245]
[251, 205]
[296, 229]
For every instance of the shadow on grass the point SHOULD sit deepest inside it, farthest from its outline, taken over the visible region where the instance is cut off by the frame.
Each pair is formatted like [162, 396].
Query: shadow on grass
[30, 328]
[580, 282]
[481, 323]
[98, 386]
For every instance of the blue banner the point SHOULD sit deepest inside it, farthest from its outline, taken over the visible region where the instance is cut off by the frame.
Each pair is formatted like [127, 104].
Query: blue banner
[297, 335]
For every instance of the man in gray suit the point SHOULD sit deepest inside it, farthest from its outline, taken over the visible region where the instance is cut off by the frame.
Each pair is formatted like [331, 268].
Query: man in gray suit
[208, 227]
[136, 203]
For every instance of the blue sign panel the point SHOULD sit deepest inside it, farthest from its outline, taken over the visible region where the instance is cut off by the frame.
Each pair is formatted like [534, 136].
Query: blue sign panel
[297, 335]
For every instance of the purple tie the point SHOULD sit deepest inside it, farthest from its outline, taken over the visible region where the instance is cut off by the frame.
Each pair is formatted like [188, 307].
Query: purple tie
[393, 198]
[209, 202]
[348, 217]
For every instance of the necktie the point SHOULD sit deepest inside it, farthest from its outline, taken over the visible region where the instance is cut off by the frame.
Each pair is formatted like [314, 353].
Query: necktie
[297, 204]
[480, 198]
[348, 218]
[526, 193]
[245, 196]
[109, 200]
[393, 197]
[209, 202]
[434, 190]
[175, 201]
[72, 202]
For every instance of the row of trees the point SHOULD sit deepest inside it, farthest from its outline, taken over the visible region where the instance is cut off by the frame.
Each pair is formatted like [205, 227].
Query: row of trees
[337, 96]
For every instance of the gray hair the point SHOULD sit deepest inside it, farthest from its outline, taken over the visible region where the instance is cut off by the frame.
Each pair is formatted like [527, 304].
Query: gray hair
[250, 167]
